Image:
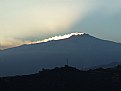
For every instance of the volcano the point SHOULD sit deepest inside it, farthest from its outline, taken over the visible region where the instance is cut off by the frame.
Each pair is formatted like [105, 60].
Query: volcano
[81, 50]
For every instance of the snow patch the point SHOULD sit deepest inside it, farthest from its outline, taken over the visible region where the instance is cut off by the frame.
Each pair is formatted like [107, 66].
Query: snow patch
[60, 37]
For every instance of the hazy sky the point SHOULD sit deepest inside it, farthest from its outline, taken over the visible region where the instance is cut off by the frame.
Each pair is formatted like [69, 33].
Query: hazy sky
[22, 21]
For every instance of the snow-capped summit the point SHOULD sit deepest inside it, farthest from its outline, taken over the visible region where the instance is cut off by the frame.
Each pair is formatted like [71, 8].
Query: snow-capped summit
[60, 37]
[82, 51]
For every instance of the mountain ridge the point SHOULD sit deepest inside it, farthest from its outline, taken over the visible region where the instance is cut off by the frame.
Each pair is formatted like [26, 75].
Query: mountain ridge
[68, 36]
[65, 79]
[81, 51]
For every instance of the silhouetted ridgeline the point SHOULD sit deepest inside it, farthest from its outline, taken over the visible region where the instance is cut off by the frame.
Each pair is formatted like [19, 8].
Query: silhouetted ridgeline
[65, 79]
[82, 51]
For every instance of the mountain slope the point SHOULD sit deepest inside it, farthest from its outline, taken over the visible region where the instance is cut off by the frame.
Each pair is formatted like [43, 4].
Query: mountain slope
[82, 51]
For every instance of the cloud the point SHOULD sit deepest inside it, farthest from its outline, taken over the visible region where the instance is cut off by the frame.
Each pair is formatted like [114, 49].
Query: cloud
[10, 42]
[103, 21]
[32, 19]
[25, 20]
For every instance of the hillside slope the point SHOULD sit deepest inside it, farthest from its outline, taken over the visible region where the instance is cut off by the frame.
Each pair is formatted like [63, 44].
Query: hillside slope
[82, 51]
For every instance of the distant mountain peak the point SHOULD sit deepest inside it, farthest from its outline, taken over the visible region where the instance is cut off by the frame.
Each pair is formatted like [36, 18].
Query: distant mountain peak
[60, 37]
[81, 50]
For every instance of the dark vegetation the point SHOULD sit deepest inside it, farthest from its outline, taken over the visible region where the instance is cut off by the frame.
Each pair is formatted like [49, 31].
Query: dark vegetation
[65, 79]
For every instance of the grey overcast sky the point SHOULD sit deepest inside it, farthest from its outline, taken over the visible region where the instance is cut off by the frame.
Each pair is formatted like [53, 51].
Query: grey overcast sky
[22, 21]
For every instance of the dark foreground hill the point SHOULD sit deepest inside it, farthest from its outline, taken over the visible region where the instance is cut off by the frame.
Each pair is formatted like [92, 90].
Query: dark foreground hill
[65, 79]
